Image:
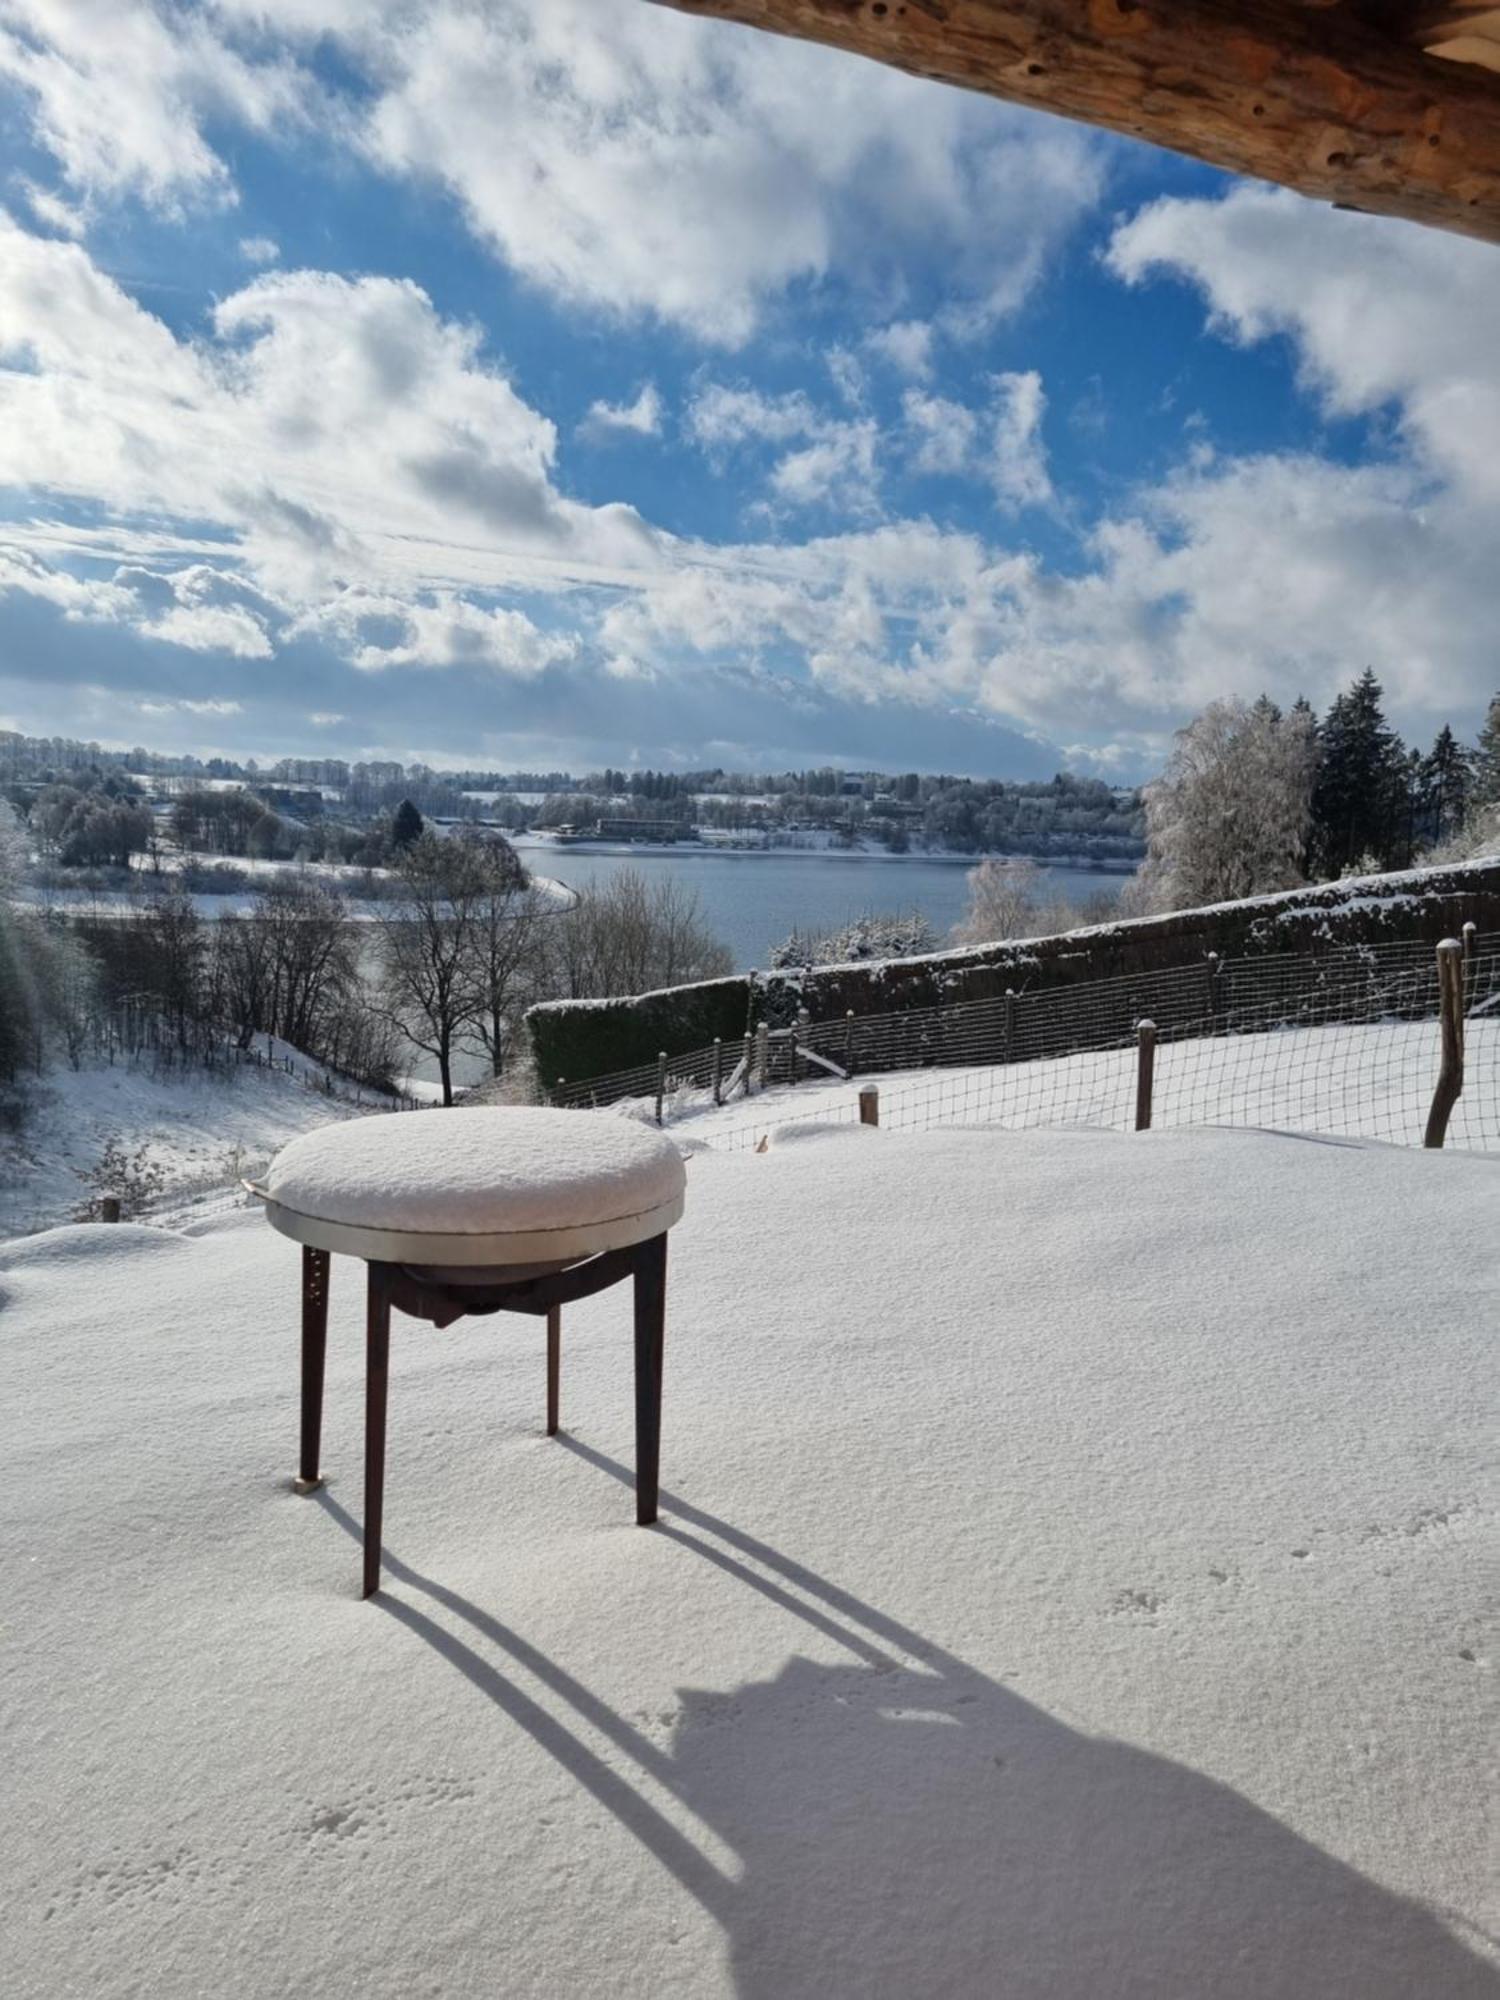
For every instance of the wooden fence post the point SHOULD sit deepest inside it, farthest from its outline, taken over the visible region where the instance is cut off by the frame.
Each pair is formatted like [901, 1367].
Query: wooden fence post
[1215, 967]
[1010, 1024]
[745, 1066]
[869, 1104]
[109, 1208]
[1450, 1083]
[1145, 1073]
[661, 1082]
[849, 1040]
[763, 1052]
[718, 1069]
[1471, 940]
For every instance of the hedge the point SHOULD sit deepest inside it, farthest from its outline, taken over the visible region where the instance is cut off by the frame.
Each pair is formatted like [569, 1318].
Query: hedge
[578, 1039]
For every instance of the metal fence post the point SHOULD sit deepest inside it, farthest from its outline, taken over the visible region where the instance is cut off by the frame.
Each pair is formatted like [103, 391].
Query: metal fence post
[1145, 1073]
[1215, 967]
[661, 1082]
[1010, 1024]
[718, 1069]
[1450, 1083]
[763, 1052]
[869, 1104]
[1471, 939]
[849, 1040]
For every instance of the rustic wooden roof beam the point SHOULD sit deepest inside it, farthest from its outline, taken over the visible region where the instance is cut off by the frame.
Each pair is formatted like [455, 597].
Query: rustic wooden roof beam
[1312, 96]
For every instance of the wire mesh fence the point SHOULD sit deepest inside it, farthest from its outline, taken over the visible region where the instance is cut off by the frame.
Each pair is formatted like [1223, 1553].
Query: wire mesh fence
[1344, 1044]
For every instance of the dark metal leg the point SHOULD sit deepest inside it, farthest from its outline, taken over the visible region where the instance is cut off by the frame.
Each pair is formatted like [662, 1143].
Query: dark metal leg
[314, 1354]
[650, 1330]
[554, 1366]
[377, 1381]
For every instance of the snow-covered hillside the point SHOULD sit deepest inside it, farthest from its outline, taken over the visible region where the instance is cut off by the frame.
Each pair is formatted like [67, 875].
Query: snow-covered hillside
[201, 1128]
[1069, 1584]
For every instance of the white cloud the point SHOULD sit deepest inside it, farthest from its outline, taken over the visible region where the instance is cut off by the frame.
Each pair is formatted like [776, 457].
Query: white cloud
[1001, 446]
[651, 163]
[943, 432]
[121, 93]
[830, 460]
[642, 417]
[260, 250]
[336, 429]
[1381, 312]
[441, 630]
[906, 344]
[49, 208]
[1018, 470]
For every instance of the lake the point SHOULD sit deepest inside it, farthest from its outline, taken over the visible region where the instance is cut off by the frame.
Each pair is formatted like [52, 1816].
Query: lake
[754, 900]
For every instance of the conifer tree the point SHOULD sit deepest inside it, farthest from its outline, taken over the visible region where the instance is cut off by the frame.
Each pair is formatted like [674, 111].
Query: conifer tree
[1484, 782]
[1443, 787]
[1359, 805]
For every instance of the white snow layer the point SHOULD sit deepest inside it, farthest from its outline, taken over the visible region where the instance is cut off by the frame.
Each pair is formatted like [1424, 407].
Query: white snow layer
[513, 1168]
[197, 1127]
[1068, 1586]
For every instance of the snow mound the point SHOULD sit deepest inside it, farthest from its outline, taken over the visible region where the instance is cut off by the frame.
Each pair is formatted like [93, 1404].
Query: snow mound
[1070, 1582]
[477, 1172]
[88, 1242]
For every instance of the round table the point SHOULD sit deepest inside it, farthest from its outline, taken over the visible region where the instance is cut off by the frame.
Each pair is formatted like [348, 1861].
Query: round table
[477, 1211]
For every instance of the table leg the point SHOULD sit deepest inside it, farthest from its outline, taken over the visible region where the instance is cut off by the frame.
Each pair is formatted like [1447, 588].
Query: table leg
[314, 1355]
[377, 1381]
[554, 1366]
[650, 1330]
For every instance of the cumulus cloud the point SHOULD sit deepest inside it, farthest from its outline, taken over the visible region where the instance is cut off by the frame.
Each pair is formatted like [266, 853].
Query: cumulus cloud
[1001, 445]
[439, 629]
[906, 345]
[641, 417]
[335, 428]
[652, 164]
[1381, 313]
[260, 250]
[121, 93]
[821, 459]
[1018, 469]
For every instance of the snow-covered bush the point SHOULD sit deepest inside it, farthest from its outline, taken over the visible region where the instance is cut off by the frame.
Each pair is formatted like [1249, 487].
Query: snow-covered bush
[888, 934]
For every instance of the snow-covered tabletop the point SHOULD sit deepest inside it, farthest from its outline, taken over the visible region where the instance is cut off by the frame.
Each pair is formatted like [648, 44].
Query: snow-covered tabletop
[492, 1187]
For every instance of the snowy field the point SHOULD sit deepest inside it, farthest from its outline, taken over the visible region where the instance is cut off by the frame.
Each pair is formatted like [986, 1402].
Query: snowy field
[1069, 1587]
[201, 1128]
[1367, 1082]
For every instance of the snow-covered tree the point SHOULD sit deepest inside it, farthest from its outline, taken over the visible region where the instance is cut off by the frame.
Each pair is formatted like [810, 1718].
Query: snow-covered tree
[1229, 816]
[1361, 793]
[1004, 901]
[1484, 783]
[892, 935]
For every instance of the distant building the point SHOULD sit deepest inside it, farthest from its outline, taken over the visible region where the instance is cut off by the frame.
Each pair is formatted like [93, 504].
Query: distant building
[645, 829]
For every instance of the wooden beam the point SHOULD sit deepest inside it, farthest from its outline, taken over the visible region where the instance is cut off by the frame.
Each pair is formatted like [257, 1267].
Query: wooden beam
[1309, 96]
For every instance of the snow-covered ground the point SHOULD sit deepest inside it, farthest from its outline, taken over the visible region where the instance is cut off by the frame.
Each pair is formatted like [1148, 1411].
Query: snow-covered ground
[1369, 1082]
[201, 1128]
[1069, 1584]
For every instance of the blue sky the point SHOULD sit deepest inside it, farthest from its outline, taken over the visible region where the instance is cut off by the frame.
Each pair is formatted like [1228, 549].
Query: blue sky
[560, 382]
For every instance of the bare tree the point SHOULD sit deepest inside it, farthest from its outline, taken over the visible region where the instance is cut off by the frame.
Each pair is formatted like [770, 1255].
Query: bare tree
[1229, 816]
[427, 947]
[1004, 897]
[504, 946]
[628, 936]
[1009, 899]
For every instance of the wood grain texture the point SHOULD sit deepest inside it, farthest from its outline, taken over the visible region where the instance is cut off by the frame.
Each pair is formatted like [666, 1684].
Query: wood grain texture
[1322, 99]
